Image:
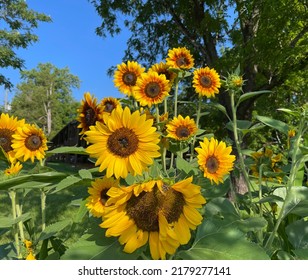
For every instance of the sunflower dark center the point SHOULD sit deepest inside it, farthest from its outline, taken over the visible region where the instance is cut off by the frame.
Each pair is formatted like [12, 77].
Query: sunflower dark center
[104, 196]
[144, 208]
[123, 142]
[152, 89]
[205, 81]
[212, 164]
[6, 139]
[129, 78]
[182, 61]
[90, 116]
[109, 106]
[33, 142]
[182, 132]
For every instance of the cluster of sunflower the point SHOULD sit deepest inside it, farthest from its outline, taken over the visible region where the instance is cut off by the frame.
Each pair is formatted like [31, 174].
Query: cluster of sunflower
[20, 142]
[160, 210]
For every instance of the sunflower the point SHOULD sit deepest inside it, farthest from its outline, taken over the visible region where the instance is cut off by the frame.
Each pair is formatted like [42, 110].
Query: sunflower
[109, 103]
[206, 82]
[8, 126]
[89, 113]
[214, 159]
[98, 195]
[29, 142]
[127, 142]
[180, 128]
[163, 69]
[151, 88]
[269, 162]
[156, 212]
[125, 77]
[13, 169]
[180, 58]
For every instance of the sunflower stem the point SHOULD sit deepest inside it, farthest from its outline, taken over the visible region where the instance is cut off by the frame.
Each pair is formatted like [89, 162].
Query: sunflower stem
[295, 166]
[176, 92]
[13, 195]
[197, 124]
[43, 209]
[20, 223]
[239, 151]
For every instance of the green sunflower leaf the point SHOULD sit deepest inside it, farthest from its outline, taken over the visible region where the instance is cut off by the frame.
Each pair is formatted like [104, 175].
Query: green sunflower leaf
[298, 234]
[95, 246]
[276, 124]
[54, 229]
[248, 95]
[227, 245]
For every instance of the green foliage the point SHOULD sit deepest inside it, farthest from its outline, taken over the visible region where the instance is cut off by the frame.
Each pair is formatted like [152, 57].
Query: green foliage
[17, 25]
[52, 87]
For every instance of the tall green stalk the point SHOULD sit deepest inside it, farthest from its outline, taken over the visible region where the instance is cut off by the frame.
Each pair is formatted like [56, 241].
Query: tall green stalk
[295, 166]
[13, 197]
[197, 124]
[43, 209]
[239, 151]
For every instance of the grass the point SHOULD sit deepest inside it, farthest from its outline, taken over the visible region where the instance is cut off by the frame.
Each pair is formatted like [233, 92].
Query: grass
[59, 206]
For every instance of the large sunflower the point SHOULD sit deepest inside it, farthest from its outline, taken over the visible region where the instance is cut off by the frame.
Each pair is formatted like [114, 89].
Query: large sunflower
[153, 212]
[163, 69]
[98, 195]
[180, 58]
[29, 142]
[8, 126]
[151, 88]
[214, 159]
[180, 128]
[206, 82]
[125, 77]
[89, 113]
[127, 142]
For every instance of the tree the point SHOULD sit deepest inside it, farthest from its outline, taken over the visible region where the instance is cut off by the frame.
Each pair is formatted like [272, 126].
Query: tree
[267, 38]
[45, 97]
[17, 24]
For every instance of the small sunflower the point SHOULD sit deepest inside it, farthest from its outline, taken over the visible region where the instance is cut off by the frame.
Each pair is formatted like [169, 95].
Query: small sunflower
[180, 128]
[8, 126]
[214, 159]
[109, 103]
[163, 69]
[125, 77]
[269, 162]
[13, 169]
[29, 142]
[180, 58]
[127, 142]
[151, 88]
[206, 82]
[89, 113]
[155, 212]
[98, 195]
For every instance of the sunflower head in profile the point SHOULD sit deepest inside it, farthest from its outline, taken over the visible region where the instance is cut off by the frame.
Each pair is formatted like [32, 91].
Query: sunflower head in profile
[98, 195]
[154, 212]
[163, 69]
[89, 113]
[151, 88]
[206, 82]
[180, 58]
[109, 104]
[126, 75]
[29, 142]
[214, 159]
[8, 126]
[181, 129]
[125, 143]
[13, 169]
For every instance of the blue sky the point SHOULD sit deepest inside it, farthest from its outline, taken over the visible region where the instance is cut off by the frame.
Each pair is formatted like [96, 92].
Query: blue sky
[70, 41]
